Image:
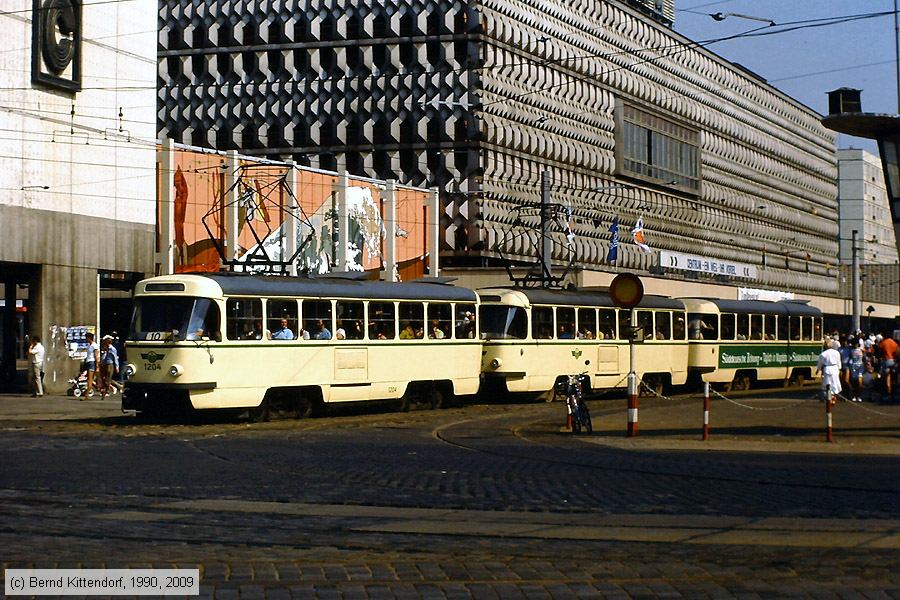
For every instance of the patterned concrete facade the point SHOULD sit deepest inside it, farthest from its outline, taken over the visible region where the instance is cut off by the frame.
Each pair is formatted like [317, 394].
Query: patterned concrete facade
[480, 97]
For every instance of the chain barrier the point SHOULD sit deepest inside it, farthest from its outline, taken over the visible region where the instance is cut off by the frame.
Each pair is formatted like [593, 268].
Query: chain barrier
[860, 406]
[643, 384]
[608, 390]
[762, 409]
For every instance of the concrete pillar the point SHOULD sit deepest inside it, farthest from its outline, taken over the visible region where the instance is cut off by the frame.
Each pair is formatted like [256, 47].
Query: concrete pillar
[232, 227]
[390, 225]
[57, 287]
[434, 234]
[343, 222]
[166, 257]
[291, 218]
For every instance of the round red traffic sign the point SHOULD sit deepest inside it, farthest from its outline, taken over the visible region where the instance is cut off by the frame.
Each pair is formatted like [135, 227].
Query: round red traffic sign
[626, 290]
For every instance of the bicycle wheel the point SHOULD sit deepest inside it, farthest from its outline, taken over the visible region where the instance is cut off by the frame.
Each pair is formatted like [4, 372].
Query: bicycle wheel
[586, 421]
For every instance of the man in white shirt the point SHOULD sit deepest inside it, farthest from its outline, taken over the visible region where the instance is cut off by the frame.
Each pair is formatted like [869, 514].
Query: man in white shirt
[36, 364]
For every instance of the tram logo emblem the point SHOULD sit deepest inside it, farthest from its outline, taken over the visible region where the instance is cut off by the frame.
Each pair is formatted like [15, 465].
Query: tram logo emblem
[152, 358]
[576, 353]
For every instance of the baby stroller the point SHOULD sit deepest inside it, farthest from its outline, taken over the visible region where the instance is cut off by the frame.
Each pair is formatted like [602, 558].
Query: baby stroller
[79, 383]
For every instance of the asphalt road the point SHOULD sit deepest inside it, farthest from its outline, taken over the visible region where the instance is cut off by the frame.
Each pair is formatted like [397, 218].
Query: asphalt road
[486, 501]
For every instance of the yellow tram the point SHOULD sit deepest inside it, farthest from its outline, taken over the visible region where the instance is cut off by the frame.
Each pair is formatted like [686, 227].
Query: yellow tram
[535, 337]
[735, 343]
[223, 341]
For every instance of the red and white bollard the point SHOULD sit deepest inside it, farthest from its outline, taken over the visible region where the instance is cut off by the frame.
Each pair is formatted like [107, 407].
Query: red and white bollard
[705, 410]
[830, 401]
[632, 405]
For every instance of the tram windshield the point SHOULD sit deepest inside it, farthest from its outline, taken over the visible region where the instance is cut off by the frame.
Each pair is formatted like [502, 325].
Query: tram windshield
[499, 322]
[174, 319]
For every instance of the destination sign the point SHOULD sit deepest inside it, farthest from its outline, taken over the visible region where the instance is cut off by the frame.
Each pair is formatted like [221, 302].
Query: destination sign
[704, 264]
[767, 355]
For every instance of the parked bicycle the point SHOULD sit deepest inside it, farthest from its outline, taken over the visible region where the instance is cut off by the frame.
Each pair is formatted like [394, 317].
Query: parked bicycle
[579, 416]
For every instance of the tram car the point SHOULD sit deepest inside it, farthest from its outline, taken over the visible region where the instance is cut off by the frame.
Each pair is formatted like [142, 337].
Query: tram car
[736, 343]
[534, 338]
[223, 341]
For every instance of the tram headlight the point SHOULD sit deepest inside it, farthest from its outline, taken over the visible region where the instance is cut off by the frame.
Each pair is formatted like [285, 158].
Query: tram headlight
[495, 363]
[176, 370]
[130, 370]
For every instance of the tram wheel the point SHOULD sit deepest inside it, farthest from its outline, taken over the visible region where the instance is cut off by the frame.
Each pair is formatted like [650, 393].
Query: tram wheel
[741, 383]
[259, 414]
[797, 380]
[305, 408]
[436, 398]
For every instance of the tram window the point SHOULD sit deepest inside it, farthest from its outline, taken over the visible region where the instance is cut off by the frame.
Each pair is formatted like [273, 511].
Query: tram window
[703, 326]
[645, 322]
[317, 320]
[806, 328]
[587, 323]
[726, 329]
[565, 323]
[663, 326]
[412, 320]
[624, 324]
[606, 324]
[771, 331]
[280, 312]
[678, 328]
[350, 320]
[794, 328]
[783, 328]
[542, 323]
[817, 328]
[382, 321]
[756, 327]
[204, 322]
[439, 319]
[498, 322]
[467, 325]
[743, 327]
[169, 318]
[243, 319]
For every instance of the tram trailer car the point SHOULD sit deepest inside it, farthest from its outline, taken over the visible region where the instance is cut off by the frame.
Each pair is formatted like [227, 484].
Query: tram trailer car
[216, 342]
[736, 343]
[535, 337]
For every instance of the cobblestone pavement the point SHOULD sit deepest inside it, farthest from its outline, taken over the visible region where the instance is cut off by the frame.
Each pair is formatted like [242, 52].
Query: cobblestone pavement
[484, 501]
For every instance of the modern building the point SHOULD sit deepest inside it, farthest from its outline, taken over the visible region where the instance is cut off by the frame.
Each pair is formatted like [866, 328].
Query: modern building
[78, 207]
[864, 209]
[733, 181]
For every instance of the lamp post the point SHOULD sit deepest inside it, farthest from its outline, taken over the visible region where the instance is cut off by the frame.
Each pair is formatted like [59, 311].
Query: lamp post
[855, 283]
[722, 16]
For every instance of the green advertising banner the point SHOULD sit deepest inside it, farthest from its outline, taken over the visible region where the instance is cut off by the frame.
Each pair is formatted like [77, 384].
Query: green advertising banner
[768, 355]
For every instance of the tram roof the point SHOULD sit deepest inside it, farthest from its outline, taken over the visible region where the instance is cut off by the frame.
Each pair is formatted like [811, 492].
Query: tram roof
[586, 297]
[260, 285]
[781, 307]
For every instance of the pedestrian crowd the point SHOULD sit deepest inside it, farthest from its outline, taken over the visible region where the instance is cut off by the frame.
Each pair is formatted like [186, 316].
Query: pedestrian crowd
[861, 366]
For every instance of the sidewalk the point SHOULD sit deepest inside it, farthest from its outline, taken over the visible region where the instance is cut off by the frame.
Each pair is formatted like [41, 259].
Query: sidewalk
[22, 407]
[784, 423]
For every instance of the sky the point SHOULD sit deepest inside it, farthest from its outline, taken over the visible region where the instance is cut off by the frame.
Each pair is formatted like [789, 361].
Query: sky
[809, 62]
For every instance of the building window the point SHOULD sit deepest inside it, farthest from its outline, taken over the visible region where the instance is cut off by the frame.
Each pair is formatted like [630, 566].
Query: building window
[656, 150]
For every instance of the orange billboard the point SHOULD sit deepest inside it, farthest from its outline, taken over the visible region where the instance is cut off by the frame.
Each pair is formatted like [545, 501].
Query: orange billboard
[268, 198]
